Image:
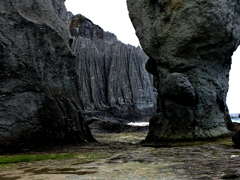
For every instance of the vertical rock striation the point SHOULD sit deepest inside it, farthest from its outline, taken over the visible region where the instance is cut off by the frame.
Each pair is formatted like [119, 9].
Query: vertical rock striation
[112, 74]
[189, 44]
[39, 91]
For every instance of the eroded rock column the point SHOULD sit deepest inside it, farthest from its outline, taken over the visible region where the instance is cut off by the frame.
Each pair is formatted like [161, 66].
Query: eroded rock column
[112, 74]
[190, 44]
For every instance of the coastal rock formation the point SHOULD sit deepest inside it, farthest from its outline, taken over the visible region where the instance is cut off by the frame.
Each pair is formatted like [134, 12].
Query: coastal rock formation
[39, 91]
[189, 44]
[112, 74]
[236, 139]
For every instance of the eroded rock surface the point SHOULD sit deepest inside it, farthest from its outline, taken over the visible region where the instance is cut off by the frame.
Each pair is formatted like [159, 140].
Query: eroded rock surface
[112, 74]
[189, 44]
[39, 90]
[236, 139]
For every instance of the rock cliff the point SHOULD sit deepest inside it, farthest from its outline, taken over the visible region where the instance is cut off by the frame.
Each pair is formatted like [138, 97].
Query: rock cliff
[39, 90]
[189, 44]
[112, 74]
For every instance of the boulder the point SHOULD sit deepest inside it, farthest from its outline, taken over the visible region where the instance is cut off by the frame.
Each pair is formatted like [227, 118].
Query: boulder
[39, 90]
[236, 139]
[189, 44]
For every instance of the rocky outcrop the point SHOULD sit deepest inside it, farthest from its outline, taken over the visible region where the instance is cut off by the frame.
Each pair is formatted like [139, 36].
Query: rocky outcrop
[112, 74]
[236, 139]
[39, 90]
[189, 44]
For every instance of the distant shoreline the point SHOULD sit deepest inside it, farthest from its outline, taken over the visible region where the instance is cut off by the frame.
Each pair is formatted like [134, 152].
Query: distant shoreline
[234, 115]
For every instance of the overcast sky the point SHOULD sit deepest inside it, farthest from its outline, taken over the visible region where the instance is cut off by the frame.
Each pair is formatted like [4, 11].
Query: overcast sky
[112, 16]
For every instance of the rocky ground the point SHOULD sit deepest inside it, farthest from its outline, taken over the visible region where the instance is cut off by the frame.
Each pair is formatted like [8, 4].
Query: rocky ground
[119, 156]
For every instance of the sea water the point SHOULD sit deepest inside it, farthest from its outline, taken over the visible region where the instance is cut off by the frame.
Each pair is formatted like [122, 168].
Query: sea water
[138, 123]
[235, 118]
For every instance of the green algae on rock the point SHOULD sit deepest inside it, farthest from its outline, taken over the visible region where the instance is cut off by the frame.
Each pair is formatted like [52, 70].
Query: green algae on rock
[118, 158]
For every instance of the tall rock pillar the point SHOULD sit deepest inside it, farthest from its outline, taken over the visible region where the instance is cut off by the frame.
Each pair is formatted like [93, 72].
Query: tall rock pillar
[189, 44]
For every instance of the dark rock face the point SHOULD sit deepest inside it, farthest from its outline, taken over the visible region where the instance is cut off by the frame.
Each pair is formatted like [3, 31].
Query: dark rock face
[189, 44]
[236, 139]
[112, 74]
[39, 91]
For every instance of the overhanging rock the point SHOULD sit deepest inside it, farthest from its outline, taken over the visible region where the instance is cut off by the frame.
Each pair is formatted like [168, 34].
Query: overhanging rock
[189, 44]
